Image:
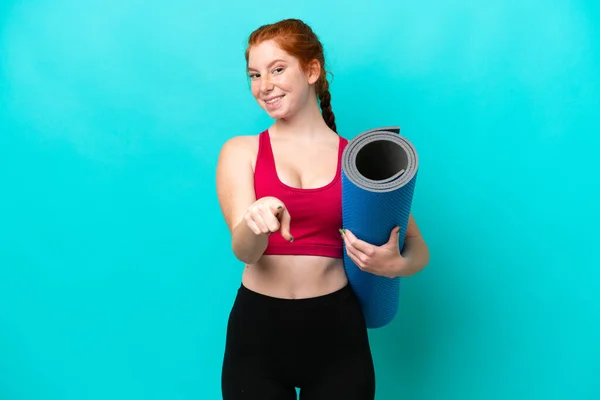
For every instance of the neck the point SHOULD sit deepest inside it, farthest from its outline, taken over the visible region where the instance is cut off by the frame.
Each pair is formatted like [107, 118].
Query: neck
[308, 122]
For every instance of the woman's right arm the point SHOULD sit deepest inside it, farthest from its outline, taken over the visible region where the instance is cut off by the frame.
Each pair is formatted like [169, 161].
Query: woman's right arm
[235, 191]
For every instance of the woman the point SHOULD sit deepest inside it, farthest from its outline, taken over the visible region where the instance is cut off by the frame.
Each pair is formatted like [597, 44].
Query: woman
[296, 321]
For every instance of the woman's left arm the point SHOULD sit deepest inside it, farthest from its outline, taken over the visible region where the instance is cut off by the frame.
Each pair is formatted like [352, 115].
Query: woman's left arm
[415, 251]
[387, 260]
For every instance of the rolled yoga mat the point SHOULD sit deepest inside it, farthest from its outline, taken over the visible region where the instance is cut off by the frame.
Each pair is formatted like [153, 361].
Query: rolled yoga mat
[379, 171]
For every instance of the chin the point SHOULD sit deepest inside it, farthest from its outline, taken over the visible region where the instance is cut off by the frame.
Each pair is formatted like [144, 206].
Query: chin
[277, 114]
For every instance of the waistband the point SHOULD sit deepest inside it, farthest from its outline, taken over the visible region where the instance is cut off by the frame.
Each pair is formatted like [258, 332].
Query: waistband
[307, 302]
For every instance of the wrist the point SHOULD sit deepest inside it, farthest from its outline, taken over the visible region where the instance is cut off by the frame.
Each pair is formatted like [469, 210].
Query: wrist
[247, 246]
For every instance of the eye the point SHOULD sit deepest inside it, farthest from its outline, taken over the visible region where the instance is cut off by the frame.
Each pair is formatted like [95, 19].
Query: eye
[253, 76]
[278, 70]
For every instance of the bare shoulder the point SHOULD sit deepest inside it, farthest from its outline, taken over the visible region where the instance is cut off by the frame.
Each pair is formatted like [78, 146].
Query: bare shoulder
[235, 177]
[238, 152]
[243, 145]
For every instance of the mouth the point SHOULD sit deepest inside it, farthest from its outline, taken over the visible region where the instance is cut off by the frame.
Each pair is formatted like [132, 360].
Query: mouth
[273, 100]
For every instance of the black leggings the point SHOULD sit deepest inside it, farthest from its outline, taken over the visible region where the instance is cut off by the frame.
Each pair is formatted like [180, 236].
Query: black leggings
[319, 345]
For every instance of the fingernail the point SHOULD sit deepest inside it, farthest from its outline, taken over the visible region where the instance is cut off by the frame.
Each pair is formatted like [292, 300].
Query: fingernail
[342, 231]
[291, 238]
[279, 207]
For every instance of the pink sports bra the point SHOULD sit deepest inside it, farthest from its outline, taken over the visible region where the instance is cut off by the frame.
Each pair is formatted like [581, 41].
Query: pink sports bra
[316, 214]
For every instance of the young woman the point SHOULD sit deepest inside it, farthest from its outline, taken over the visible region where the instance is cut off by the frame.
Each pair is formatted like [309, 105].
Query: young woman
[296, 321]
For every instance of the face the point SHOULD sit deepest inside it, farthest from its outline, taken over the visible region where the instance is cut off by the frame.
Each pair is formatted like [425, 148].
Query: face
[278, 83]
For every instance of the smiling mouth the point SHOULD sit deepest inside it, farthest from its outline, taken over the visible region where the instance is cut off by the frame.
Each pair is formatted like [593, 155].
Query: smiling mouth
[274, 99]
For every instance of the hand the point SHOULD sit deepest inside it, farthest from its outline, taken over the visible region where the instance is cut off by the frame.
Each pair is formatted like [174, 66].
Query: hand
[384, 260]
[268, 215]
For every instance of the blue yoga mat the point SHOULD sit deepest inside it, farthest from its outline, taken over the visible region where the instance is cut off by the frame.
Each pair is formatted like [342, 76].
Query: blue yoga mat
[379, 171]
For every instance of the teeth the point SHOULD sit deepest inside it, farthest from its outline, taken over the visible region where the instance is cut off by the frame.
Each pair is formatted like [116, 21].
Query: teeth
[273, 100]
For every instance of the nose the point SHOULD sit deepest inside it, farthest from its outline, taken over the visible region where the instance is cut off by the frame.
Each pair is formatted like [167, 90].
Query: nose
[265, 84]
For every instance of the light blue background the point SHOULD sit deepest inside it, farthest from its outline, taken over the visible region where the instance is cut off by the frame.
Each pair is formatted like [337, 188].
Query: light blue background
[116, 275]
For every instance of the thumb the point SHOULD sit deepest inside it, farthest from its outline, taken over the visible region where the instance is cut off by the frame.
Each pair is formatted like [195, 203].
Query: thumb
[394, 236]
[284, 220]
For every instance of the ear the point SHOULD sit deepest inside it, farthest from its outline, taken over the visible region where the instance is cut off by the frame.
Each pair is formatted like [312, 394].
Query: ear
[313, 71]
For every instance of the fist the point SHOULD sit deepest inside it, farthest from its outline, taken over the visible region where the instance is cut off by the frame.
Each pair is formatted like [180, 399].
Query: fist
[269, 215]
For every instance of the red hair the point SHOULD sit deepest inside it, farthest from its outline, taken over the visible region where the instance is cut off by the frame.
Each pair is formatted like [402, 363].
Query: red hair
[298, 39]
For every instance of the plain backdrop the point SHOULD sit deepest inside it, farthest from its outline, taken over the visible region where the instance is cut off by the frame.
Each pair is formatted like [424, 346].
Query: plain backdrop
[116, 275]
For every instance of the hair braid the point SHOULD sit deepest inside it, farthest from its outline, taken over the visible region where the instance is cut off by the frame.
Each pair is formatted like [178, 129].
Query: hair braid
[325, 102]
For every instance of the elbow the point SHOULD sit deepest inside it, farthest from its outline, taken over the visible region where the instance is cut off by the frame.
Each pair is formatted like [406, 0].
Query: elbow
[426, 256]
[423, 256]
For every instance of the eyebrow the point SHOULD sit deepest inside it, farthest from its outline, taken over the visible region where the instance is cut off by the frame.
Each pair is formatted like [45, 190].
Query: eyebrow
[268, 65]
